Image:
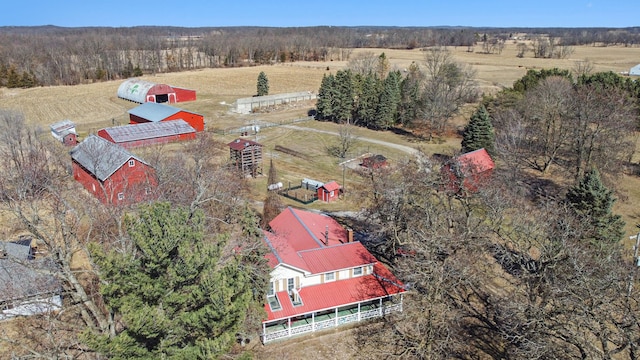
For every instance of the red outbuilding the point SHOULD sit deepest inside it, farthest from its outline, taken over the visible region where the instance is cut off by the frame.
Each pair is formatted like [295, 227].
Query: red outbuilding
[374, 162]
[153, 112]
[142, 91]
[329, 191]
[111, 173]
[469, 171]
[153, 133]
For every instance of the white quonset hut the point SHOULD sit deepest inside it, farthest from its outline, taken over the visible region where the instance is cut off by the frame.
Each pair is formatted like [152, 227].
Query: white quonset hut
[142, 91]
[635, 71]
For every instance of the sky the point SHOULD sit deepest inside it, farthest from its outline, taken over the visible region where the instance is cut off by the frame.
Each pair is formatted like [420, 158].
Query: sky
[300, 13]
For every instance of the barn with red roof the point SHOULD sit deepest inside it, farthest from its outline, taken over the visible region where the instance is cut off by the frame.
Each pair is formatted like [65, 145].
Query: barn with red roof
[152, 112]
[321, 278]
[153, 133]
[469, 171]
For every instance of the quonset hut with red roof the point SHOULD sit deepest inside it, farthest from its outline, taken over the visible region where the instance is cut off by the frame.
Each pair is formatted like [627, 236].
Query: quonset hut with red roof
[321, 278]
[142, 91]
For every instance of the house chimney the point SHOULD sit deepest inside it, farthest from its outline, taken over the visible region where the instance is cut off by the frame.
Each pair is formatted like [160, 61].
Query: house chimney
[349, 235]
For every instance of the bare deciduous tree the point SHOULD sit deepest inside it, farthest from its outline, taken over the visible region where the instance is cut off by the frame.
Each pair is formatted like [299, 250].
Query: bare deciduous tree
[447, 87]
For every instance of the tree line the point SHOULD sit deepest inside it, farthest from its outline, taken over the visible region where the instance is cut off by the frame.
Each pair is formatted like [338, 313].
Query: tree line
[50, 55]
[369, 94]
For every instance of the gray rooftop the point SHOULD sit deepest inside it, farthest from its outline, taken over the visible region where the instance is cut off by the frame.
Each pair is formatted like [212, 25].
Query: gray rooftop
[153, 111]
[23, 278]
[150, 130]
[101, 157]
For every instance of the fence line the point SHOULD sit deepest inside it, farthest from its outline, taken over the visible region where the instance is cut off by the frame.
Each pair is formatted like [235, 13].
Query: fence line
[261, 124]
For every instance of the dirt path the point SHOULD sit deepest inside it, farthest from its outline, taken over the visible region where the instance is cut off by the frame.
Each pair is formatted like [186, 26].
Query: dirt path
[404, 148]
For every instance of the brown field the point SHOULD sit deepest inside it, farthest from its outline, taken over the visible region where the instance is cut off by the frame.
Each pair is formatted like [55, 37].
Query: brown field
[96, 105]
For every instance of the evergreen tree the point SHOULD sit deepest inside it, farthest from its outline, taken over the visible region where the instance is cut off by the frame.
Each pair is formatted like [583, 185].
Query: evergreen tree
[324, 102]
[176, 294]
[410, 95]
[593, 203]
[343, 99]
[13, 79]
[368, 98]
[478, 133]
[387, 111]
[272, 204]
[263, 84]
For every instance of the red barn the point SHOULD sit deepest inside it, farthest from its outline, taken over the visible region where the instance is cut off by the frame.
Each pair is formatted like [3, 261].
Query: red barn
[153, 112]
[329, 191]
[153, 133]
[142, 91]
[111, 173]
[469, 171]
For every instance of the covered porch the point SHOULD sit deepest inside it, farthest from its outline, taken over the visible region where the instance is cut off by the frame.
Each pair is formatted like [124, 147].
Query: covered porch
[329, 318]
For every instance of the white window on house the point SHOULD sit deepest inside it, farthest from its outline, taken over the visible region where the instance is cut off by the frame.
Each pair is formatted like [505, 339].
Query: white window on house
[272, 289]
[331, 194]
[329, 276]
[120, 196]
[290, 284]
[132, 163]
[357, 271]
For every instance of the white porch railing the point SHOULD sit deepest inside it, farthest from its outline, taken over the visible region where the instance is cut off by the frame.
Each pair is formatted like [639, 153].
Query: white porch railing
[326, 324]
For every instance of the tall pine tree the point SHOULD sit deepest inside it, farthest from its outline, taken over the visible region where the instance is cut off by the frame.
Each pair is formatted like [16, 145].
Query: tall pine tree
[324, 102]
[387, 112]
[478, 133]
[593, 203]
[263, 84]
[177, 295]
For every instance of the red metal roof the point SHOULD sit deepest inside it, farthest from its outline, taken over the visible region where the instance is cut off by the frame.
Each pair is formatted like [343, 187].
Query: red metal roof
[476, 161]
[241, 144]
[306, 230]
[338, 257]
[149, 130]
[331, 186]
[338, 293]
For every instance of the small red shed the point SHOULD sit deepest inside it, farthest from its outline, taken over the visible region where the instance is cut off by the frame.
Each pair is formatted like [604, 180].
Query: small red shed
[131, 136]
[65, 132]
[470, 170]
[111, 173]
[154, 112]
[329, 191]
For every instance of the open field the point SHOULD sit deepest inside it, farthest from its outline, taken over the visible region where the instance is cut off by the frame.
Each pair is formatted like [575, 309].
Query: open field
[96, 105]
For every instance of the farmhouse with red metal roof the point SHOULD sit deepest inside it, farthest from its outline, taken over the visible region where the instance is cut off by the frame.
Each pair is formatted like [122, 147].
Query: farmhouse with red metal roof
[321, 278]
